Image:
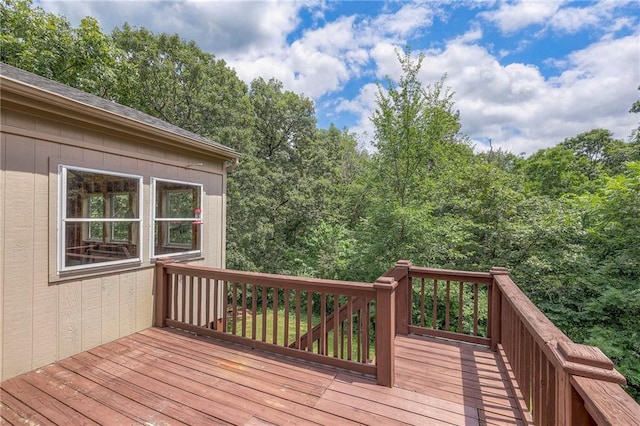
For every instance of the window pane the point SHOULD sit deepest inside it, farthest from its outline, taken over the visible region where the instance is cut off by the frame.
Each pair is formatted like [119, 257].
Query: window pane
[175, 237]
[80, 250]
[96, 231]
[121, 231]
[121, 206]
[101, 222]
[176, 200]
[95, 195]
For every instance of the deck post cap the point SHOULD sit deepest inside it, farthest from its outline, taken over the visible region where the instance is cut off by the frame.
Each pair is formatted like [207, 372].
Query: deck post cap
[499, 270]
[385, 282]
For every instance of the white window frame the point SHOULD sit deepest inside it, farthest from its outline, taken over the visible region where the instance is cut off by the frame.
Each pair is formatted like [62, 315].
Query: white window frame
[63, 219]
[154, 219]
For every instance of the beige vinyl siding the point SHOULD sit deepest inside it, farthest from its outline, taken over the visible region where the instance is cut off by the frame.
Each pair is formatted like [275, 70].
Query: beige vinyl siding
[3, 159]
[46, 317]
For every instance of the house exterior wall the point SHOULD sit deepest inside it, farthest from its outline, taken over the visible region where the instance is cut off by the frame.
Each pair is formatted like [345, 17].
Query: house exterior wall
[47, 316]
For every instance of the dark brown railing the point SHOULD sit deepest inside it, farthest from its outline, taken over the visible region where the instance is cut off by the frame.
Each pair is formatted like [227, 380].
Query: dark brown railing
[353, 325]
[338, 323]
[556, 381]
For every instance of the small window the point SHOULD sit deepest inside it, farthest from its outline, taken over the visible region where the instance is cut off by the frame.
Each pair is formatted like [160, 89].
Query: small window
[100, 218]
[177, 212]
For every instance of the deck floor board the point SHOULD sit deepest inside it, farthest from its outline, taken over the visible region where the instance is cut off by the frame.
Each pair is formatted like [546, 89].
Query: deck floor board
[165, 376]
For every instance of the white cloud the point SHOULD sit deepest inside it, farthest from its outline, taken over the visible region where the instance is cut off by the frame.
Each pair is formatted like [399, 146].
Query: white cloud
[511, 17]
[514, 104]
[411, 17]
[592, 15]
[219, 27]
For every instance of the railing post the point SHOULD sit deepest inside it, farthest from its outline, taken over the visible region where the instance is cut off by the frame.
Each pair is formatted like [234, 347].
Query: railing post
[496, 308]
[162, 293]
[385, 330]
[403, 297]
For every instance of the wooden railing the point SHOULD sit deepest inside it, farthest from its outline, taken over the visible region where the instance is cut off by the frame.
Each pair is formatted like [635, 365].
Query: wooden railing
[353, 325]
[443, 303]
[343, 324]
[556, 381]
[559, 382]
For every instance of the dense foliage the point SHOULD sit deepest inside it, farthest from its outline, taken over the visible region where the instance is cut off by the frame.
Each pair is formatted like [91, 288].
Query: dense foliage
[309, 201]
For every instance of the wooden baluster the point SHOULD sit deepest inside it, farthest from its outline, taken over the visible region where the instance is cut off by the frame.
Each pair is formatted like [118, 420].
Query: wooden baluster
[265, 300]
[323, 325]
[275, 315]
[298, 313]
[336, 322]
[218, 289]
[200, 301]
[183, 278]
[536, 384]
[475, 309]
[447, 306]
[207, 308]
[434, 321]
[286, 317]
[244, 310]
[342, 337]
[234, 308]
[359, 335]
[489, 326]
[225, 304]
[350, 329]
[254, 310]
[460, 306]
[309, 321]
[422, 301]
[191, 299]
[365, 334]
[175, 288]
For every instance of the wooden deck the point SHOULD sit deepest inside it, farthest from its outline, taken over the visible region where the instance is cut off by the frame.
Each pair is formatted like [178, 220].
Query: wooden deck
[164, 376]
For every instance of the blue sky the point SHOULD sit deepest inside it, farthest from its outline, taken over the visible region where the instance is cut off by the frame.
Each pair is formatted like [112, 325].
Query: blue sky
[526, 74]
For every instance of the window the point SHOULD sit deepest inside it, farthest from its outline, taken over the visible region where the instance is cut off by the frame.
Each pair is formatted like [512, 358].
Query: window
[100, 218]
[177, 210]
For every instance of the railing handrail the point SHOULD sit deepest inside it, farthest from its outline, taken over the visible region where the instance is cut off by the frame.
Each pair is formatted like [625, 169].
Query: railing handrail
[562, 351]
[282, 281]
[587, 386]
[451, 275]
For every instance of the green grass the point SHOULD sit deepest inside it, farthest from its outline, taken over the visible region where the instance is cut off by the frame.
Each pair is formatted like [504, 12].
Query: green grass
[281, 319]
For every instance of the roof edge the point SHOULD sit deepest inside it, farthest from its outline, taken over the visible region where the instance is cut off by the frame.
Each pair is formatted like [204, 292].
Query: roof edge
[168, 133]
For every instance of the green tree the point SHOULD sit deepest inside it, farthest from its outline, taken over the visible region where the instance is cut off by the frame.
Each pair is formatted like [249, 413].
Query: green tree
[412, 124]
[176, 81]
[281, 186]
[418, 141]
[48, 45]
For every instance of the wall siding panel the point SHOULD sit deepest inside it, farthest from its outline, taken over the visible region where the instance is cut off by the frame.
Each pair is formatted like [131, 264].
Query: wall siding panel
[127, 304]
[91, 312]
[3, 248]
[110, 308]
[70, 319]
[45, 316]
[45, 298]
[17, 321]
[144, 299]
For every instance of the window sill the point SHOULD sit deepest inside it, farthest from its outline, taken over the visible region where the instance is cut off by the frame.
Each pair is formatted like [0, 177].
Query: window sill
[96, 272]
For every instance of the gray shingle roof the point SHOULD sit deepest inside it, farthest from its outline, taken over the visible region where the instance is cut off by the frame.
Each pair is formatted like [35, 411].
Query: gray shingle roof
[17, 74]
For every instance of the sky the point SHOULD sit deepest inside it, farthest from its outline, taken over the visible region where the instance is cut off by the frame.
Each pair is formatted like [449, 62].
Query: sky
[526, 74]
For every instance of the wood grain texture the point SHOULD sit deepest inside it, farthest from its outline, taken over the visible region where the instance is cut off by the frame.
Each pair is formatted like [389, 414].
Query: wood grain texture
[165, 376]
[607, 402]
